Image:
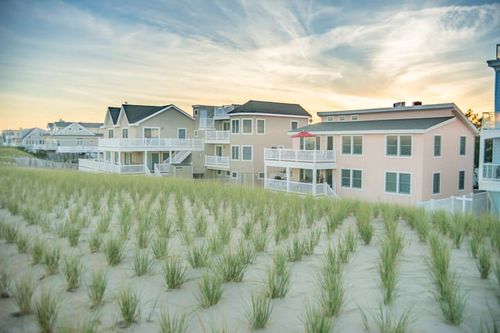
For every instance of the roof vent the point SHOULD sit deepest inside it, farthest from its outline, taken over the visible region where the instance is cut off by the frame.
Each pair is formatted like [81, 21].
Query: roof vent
[415, 103]
[398, 104]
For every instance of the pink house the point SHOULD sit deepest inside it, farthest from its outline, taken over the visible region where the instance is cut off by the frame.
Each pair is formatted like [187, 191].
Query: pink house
[403, 154]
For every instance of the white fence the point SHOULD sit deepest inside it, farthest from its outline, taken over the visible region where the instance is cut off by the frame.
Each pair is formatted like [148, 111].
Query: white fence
[473, 203]
[36, 163]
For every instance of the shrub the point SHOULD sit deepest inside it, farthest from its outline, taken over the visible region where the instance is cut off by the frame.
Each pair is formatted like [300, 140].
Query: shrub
[210, 290]
[23, 294]
[96, 288]
[259, 312]
[72, 269]
[114, 251]
[128, 302]
[46, 311]
[174, 273]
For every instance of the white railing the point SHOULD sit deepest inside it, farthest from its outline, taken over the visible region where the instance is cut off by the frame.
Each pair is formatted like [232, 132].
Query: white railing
[206, 122]
[221, 113]
[299, 187]
[43, 146]
[100, 166]
[217, 161]
[77, 149]
[490, 121]
[296, 155]
[217, 136]
[179, 157]
[473, 203]
[491, 171]
[152, 143]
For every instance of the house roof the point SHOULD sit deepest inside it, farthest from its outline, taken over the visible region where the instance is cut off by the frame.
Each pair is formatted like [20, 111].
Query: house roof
[136, 113]
[271, 108]
[114, 112]
[391, 109]
[412, 124]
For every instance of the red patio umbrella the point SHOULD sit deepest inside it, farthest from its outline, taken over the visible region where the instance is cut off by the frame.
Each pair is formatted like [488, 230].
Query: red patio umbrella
[302, 134]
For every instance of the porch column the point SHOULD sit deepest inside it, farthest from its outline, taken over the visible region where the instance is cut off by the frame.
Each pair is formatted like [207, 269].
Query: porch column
[145, 159]
[314, 181]
[265, 176]
[481, 158]
[288, 179]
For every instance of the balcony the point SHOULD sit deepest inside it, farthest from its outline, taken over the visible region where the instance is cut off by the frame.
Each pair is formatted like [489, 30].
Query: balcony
[76, 149]
[207, 123]
[491, 172]
[100, 166]
[153, 144]
[220, 113]
[299, 187]
[300, 158]
[490, 125]
[217, 162]
[221, 137]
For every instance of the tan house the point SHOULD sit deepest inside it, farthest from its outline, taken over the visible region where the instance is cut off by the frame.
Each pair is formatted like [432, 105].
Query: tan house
[146, 139]
[403, 154]
[236, 135]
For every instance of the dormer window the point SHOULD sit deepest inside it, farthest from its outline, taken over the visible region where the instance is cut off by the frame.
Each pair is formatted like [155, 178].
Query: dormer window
[341, 118]
[195, 112]
[329, 118]
[354, 117]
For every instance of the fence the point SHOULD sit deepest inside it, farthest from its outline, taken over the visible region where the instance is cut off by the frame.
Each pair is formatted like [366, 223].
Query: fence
[473, 203]
[36, 163]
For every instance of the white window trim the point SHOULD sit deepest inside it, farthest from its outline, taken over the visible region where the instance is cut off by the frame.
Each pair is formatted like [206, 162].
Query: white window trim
[350, 179]
[239, 153]
[433, 145]
[231, 126]
[352, 146]
[432, 183]
[257, 126]
[150, 127]
[293, 121]
[399, 146]
[397, 183]
[461, 190]
[181, 128]
[251, 126]
[251, 147]
[465, 147]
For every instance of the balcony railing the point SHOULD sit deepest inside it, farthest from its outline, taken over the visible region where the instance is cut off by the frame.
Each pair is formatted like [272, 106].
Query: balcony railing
[151, 143]
[217, 161]
[206, 123]
[77, 149]
[217, 136]
[294, 155]
[298, 187]
[100, 166]
[221, 113]
[490, 121]
[491, 171]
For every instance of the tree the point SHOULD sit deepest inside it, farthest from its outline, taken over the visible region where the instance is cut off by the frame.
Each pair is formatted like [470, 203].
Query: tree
[474, 118]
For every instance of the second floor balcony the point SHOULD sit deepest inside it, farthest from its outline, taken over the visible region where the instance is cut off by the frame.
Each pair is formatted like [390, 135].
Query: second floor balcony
[151, 144]
[221, 137]
[217, 162]
[298, 157]
[490, 124]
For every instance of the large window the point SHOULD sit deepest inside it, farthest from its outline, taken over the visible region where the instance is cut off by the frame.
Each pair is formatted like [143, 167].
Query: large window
[246, 153]
[398, 145]
[151, 133]
[294, 124]
[436, 183]
[351, 178]
[309, 143]
[461, 180]
[398, 182]
[261, 126]
[352, 145]
[235, 126]
[437, 145]
[181, 133]
[235, 152]
[462, 145]
[247, 126]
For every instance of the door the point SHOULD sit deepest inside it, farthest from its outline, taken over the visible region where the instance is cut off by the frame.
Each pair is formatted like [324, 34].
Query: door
[329, 177]
[155, 159]
[329, 143]
[218, 150]
[226, 126]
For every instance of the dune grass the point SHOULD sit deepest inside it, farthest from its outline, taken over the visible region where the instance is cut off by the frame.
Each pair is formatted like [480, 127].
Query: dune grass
[47, 311]
[315, 321]
[209, 289]
[51, 259]
[96, 288]
[5, 283]
[72, 270]
[277, 283]
[23, 294]
[129, 305]
[174, 273]
[142, 263]
[114, 251]
[173, 323]
[259, 312]
[198, 255]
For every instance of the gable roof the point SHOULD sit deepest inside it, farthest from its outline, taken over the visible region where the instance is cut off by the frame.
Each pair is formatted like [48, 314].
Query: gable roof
[272, 108]
[74, 129]
[390, 109]
[114, 112]
[136, 114]
[412, 124]
[27, 131]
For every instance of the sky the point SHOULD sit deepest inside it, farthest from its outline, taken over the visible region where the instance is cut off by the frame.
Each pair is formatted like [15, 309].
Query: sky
[73, 59]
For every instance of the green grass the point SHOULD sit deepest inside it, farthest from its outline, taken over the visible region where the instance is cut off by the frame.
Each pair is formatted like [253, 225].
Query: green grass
[23, 294]
[22, 243]
[277, 283]
[209, 289]
[198, 255]
[259, 312]
[386, 321]
[364, 223]
[73, 234]
[10, 233]
[231, 266]
[259, 240]
[5, 283]
[484, 262]
[159, 246]
[114, 251]
[46, 311]
[72, 270]
[142, 263]
[172, 323]
[6, 152]
[51, 259]
[315, 321]
[295, 249]
[96, 288]
[129, 305]
[95, 241]
[174, 273]
[200, 225]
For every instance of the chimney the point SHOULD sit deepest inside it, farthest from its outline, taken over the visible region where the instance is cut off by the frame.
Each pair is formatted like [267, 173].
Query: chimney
[399, 104]
[416, 103]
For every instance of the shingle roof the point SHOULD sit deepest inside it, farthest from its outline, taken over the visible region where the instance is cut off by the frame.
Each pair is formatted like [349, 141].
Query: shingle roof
[374, 125]
[114, 112]
[391, 109]
[271, 108]
[136, 113]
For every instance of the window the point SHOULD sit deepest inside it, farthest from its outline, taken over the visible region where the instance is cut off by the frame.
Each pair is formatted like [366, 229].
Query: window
[195, 133]
[294, 124]
[235, 126]
[151, 133]
[351, 178]
[352, 145]
[461, 180]
[234, 175]
[462, 145]
[117, 156]
[436, 183]
[110, 133]
[260, 175]
[247, 126]
[398, 145]
[341, 118]
[329, 143]
[228, 173]
[125, 133]
[261, 126]
[195, 112]
[437, 145]
[226, 126]
[246, 153]
[329, 118]
[181, 133]
[398, 182]
[235, 153]
[354, 117]
[219, 172]
[79, 141]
